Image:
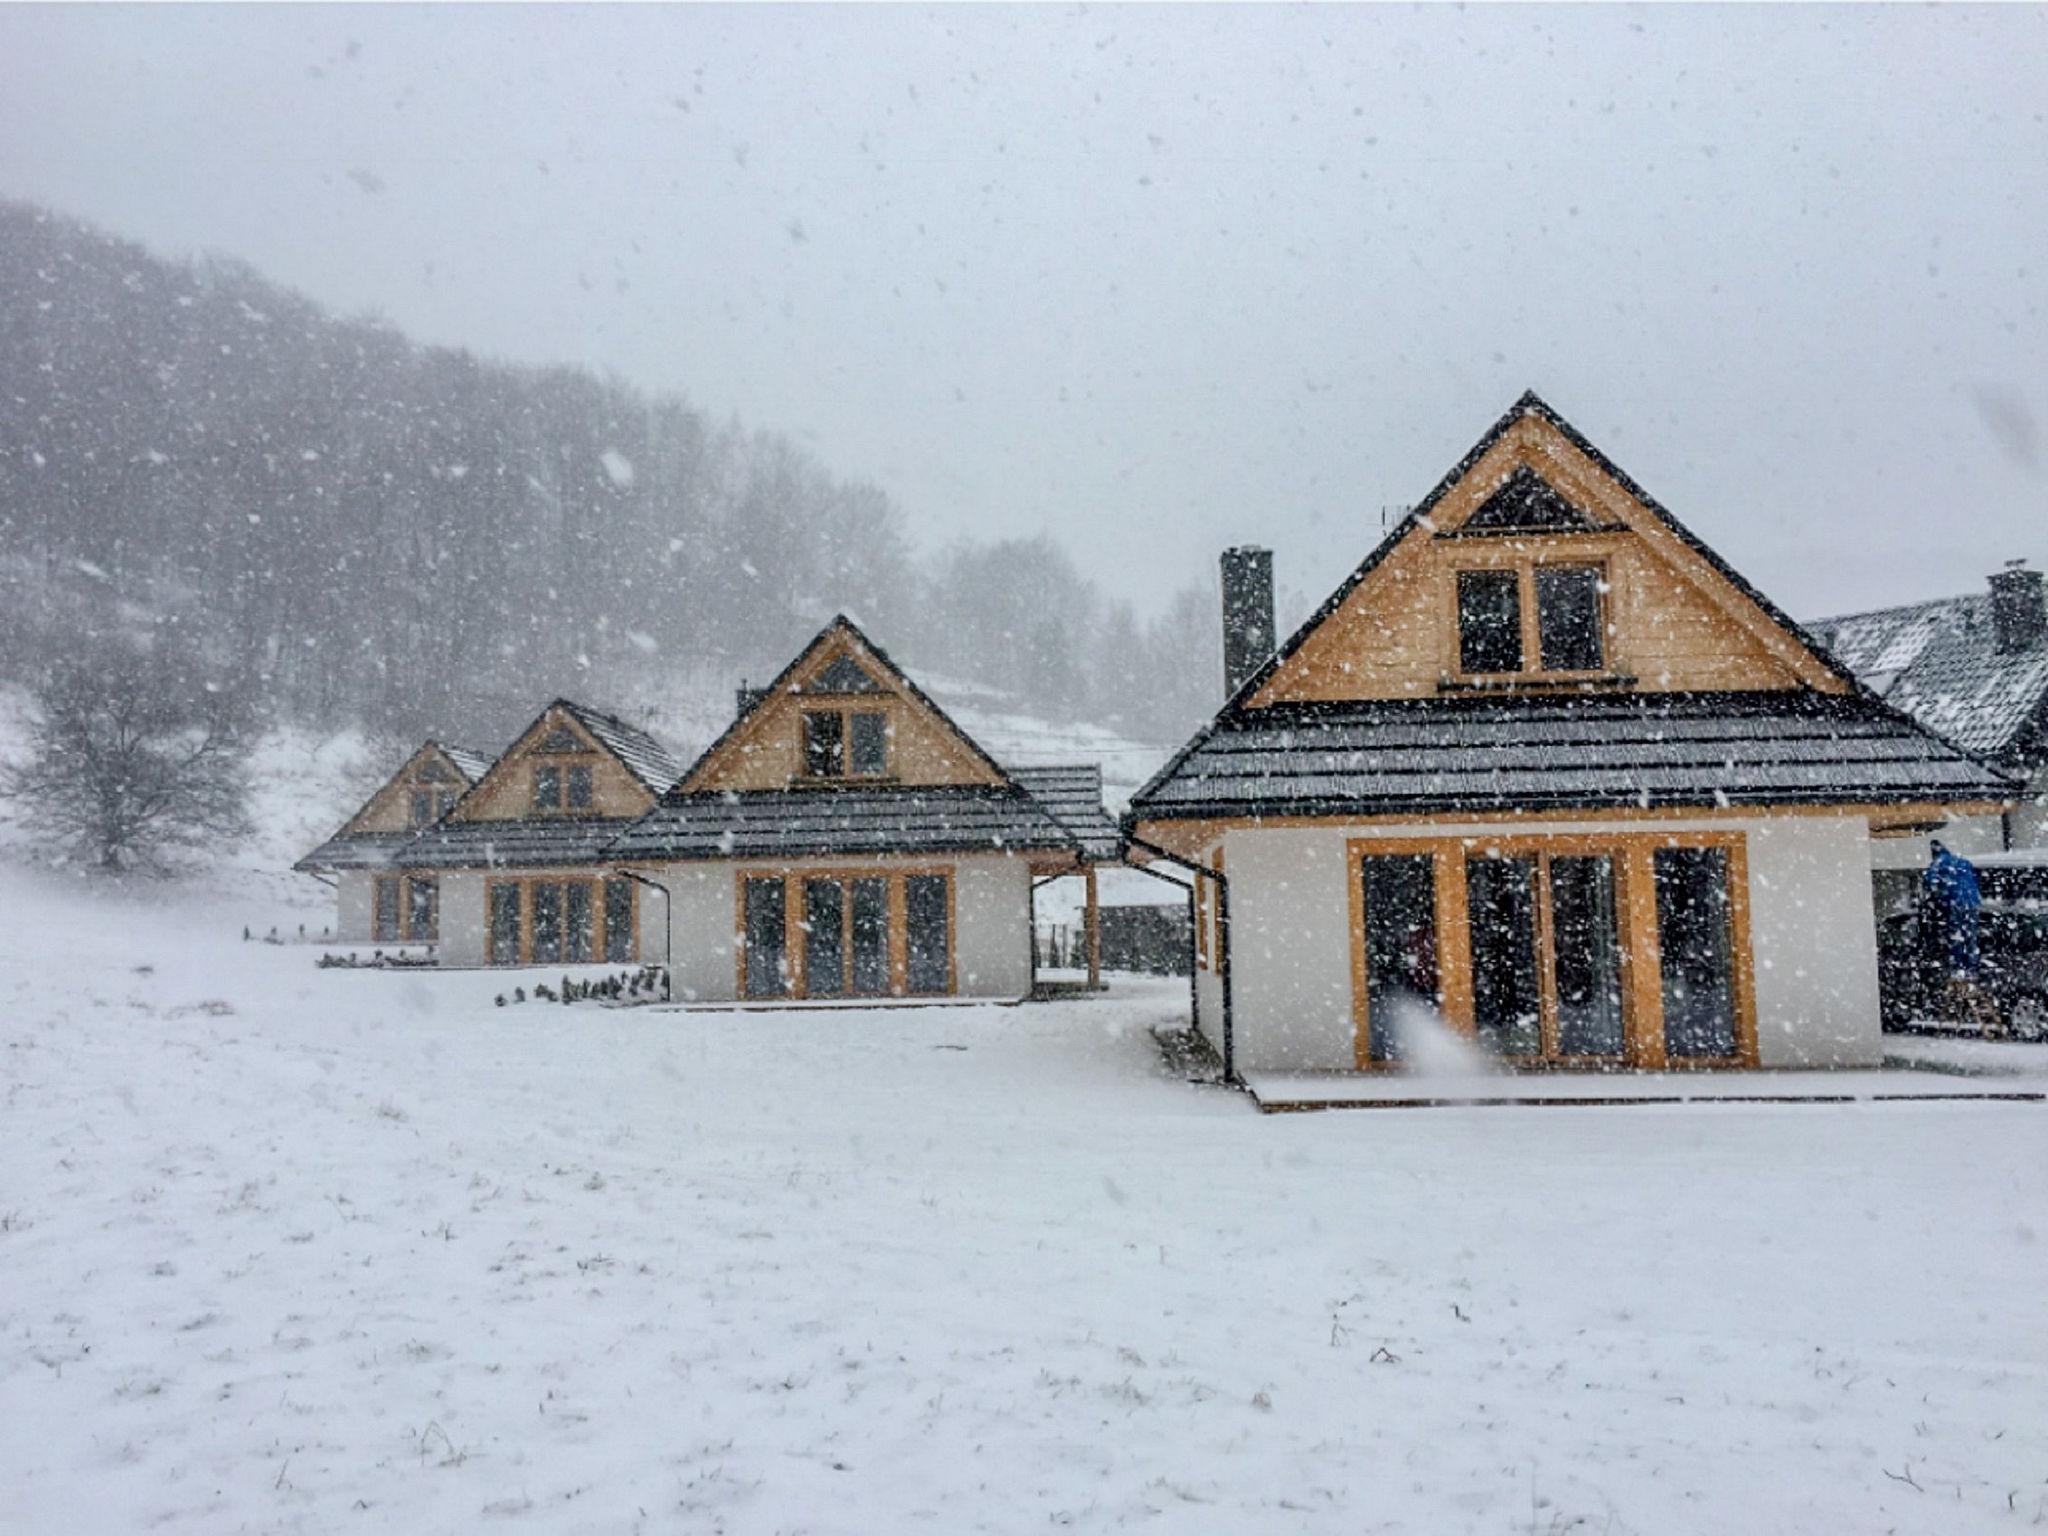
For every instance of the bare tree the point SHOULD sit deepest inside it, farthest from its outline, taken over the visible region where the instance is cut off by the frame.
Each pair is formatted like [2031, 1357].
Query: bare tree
[135, 750]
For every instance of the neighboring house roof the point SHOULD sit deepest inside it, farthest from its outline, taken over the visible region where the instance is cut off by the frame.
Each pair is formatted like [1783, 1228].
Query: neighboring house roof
[865, 819]
[1528, 752]
[356, 850]
[534, 841]
[648, 760]
[373, 850]
[471, 765]
[1939, 661]
[1073, 793]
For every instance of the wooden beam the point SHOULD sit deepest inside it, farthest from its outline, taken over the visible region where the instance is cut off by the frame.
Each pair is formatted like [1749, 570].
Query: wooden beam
[1092, 915]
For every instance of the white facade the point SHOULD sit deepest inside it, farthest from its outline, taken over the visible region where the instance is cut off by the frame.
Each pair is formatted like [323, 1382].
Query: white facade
[465, 922]
[355, 903]
[991, 920]
[1814, 948]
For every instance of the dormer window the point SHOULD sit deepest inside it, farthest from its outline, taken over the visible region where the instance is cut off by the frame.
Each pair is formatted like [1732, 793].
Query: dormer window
[556, 788]
[1532, 620]
[429, 805]
[841, 744]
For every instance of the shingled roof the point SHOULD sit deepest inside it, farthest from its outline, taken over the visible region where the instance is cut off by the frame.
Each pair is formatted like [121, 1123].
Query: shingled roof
[647, 759]
[1073, 793]
[376, 850]
[1502, 754]
[534, 841]
[869, 819]
[1940, 662]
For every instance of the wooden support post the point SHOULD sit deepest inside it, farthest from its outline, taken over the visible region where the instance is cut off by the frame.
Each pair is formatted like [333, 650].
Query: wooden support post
[1094, 923]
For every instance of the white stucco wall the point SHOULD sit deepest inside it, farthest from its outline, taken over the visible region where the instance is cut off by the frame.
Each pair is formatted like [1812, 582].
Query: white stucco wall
[991, 939]
[463, 925]
[354, 903]
[1813, 941]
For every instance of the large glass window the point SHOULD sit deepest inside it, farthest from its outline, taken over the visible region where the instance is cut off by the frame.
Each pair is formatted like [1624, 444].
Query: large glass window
[1586, 956]
[767, 971]
[1507, 997]
[824, 938]
[423, 909]
[579, 779]
[1400, 947]
[869, 928]
[1696, 945]
[505, 924]
[928, 938]
[385, 920]
[1570, 627]
[579, 923]
[618, 921]
[547, 923]
[824, 743]
[870, 743]
[1489, 621]
[422, 809]
[547, 789]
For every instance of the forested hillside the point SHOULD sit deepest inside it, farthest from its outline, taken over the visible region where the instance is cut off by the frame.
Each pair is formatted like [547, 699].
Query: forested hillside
[415, 539]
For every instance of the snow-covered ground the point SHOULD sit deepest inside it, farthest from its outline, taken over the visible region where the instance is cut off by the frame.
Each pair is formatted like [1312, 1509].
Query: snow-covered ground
[292, 1250]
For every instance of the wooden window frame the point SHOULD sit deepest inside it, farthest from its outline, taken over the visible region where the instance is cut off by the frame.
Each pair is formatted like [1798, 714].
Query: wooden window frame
[1635, 912]
[1587, 552]
[524, 884]
[795, 928]
[861, 704]
[404, 901]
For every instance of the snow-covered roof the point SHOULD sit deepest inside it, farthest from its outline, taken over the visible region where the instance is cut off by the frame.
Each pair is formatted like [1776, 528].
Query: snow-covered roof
[649, 761]
[519, 843]
[471, 765]
[864, 819]
[1940, 662]
[1073, 793]
[1427, 755]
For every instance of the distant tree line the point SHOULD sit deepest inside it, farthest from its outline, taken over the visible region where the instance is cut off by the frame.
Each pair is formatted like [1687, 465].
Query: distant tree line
[358, 529]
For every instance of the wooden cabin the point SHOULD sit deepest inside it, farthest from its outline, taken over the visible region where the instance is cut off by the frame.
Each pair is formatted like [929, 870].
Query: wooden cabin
[375, 902]
[519, 861]
[844, 839]
[1547, 773]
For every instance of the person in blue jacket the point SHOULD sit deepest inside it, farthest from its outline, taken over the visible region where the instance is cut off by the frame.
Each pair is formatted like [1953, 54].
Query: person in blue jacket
[1950, 901]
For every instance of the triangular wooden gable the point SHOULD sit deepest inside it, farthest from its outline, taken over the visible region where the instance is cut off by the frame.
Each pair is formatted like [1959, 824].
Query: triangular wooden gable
[390, 808]
[1678, 618]
[505, 792]
[763, 749]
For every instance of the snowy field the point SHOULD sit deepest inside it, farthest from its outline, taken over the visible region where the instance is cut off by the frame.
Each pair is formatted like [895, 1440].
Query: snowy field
[301, 1251]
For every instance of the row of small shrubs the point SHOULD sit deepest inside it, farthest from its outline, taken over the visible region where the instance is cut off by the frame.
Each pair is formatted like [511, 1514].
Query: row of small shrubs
[648, 984]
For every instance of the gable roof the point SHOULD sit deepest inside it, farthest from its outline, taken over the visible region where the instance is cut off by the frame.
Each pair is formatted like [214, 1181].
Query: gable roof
[759, 699]
[1528, 752]
[859, 819]
[1530, 404]
[645, 758]
[366, 850]
[1435, 726]
[1939, 661]
[1073, 793]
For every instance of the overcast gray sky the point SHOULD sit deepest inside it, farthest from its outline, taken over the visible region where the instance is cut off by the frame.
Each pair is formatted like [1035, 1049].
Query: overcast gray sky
[1158, 280]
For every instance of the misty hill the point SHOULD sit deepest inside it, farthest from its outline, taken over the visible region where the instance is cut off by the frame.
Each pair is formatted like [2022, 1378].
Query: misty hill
[419, 540]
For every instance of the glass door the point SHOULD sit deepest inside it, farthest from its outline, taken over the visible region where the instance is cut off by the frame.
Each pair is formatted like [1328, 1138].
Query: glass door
[1696, 944]
[869, 930]
[1399, 912]
[824, 938]
[1546, 956]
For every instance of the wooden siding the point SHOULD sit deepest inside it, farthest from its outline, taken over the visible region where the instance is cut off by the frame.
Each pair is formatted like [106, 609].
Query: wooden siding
[1674, 623]
[505, 793]
[390, 809]
[766, 751]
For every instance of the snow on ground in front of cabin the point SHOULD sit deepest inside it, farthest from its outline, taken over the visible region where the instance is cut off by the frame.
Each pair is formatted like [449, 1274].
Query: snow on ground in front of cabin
[298, 1250]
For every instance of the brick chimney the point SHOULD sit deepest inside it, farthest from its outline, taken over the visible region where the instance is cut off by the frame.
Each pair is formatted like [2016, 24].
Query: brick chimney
[2019, 607]
[1248, 637]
